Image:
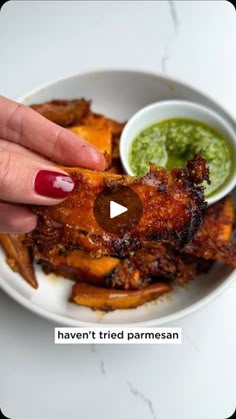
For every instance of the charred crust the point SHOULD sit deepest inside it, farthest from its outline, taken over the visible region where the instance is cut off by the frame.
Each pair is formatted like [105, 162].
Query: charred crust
[179, 208]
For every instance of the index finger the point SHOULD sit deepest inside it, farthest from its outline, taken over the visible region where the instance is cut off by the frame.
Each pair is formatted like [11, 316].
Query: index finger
[26, 127]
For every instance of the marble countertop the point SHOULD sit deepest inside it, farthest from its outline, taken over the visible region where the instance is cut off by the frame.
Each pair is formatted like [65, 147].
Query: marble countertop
[194, 42]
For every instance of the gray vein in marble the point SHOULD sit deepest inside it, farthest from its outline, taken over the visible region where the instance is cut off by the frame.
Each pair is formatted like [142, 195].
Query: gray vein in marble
[171, 38]
[145, 399]
[174, 16]
[102, 367]
[93, 349]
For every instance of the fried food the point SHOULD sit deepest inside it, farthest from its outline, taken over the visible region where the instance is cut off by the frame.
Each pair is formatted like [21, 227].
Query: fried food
[140, 268]
[19, 257]
[153, 260]
[102, 132]
[116, 167]
[118, 272]
[189, 266]
[173, 207]
[100, 138]
[105, 299]
[98, 121]
[213, 240]
[64, 112]
[79, 266]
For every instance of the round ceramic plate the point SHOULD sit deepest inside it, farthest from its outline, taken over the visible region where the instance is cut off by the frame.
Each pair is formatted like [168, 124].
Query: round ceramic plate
[117, 94]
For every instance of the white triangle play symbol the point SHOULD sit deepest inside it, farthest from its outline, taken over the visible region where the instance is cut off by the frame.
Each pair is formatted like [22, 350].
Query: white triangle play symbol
[116, 209]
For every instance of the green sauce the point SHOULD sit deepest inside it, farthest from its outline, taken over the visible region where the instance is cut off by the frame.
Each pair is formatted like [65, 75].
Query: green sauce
[172, 142]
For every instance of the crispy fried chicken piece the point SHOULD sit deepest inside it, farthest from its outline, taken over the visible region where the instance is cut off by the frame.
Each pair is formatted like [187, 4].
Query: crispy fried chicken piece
[213, 240]
[63, 112]
[104, 299]
[19, 256]
[173, 207]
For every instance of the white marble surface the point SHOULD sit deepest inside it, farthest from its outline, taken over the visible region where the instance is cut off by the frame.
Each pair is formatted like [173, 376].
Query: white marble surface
[195, 42]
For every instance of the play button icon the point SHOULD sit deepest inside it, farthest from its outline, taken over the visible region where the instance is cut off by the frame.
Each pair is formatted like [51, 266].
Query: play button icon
[117, 209]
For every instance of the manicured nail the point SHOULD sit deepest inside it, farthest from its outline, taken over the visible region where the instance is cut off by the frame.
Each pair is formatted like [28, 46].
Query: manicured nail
[53, 184]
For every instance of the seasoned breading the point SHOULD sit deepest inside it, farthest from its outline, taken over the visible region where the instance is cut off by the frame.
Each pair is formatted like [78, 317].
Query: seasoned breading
[173, 207]
[213, 240]
[63, 112]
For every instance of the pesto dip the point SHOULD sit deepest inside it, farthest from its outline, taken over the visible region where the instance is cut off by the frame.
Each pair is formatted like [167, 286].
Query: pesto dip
[170, 143]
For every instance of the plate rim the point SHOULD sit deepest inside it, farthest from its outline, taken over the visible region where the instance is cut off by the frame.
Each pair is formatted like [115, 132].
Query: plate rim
[63, 320]
[164, 78]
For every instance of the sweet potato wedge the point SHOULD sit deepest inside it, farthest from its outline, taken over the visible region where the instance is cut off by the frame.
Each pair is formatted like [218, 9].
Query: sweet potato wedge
[213, 239]
[80, 266]
[152, 261]
[99, 121]
[19, 257]
[107, 299]
[99, 137]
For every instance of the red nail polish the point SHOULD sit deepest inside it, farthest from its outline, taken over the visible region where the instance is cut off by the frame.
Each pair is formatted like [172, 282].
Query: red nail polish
[53, 184]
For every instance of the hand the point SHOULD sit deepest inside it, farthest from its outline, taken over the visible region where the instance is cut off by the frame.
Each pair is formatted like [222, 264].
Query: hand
[27, 139]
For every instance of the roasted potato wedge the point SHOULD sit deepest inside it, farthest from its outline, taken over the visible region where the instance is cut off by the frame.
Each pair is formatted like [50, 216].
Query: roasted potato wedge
[105, 299]
[213, 239]
[80, 266]
[99, 121]
[100, 138]
[19, 256]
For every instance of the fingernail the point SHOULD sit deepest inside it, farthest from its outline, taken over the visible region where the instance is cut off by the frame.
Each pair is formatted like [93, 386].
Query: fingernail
[53, 184]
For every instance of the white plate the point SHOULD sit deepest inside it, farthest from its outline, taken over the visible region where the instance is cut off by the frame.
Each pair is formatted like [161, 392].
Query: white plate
[118, 94]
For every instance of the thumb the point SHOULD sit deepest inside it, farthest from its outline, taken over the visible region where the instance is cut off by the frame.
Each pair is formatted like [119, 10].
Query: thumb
[23, 180]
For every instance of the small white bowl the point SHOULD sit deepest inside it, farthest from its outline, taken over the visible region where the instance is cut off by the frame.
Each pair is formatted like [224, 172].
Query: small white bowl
[169, 109]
